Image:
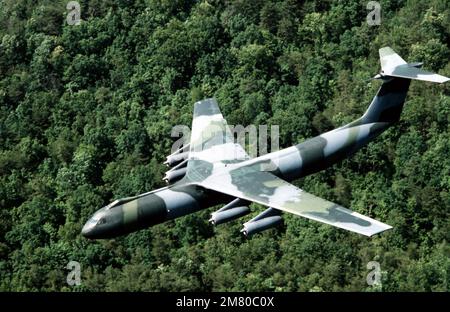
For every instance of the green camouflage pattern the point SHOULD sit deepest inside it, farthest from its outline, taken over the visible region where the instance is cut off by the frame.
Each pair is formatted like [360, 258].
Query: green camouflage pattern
[219, 170]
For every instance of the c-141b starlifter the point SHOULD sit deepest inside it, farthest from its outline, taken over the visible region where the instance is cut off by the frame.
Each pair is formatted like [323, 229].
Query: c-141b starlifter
[212, 169]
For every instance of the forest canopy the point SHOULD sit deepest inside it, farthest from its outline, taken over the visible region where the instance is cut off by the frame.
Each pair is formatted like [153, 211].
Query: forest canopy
[86, 113]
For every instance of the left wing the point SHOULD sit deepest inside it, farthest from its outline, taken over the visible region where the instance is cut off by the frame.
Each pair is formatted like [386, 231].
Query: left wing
[252, 184]
[211, 137]
[212, 145]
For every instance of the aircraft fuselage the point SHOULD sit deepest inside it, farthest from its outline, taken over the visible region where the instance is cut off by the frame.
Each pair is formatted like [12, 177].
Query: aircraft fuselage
[181, 199]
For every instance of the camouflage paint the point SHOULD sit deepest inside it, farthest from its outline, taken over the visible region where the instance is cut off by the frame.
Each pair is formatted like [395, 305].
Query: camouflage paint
[219, 170]
[151, 209]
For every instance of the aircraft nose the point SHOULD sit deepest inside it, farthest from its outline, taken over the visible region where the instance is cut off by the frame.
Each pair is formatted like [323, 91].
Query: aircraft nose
[87, 230]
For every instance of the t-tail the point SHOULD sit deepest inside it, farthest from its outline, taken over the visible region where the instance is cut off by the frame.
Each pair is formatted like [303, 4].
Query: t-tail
[396, 74]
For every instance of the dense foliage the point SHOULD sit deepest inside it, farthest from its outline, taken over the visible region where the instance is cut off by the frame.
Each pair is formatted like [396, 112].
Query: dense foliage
[86, 113]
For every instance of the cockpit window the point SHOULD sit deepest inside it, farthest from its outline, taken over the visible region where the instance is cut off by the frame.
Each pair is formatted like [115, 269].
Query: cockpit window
[97, 220]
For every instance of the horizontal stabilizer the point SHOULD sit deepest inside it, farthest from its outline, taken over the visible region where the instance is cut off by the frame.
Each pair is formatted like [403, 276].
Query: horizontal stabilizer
[393, 65]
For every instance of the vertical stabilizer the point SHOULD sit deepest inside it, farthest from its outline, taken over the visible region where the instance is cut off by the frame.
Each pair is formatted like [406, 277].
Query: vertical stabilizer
[396, 74]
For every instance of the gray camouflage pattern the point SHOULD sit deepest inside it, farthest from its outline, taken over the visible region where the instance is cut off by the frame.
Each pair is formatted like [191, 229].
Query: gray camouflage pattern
[219, 170]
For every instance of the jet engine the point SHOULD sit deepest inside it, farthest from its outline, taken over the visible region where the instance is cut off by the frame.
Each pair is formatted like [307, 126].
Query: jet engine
[233, 210]
[265, 220]
[178, 161]
[178, 156]
[175, 175]
[173, 160]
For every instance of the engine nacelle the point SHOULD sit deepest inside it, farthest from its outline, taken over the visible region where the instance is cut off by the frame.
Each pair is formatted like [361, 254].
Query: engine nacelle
[269, 218]
[180, 165]
[175, 159]
[261, 225]
[175, 175]
[220, 217]
[184, 148]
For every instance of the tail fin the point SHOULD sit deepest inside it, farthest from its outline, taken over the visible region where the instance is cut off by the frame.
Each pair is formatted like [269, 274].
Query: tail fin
[396, 74]
[393, 65]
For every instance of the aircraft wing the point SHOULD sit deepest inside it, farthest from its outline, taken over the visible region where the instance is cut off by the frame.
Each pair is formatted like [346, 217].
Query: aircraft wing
[253, 184]
[211, 137]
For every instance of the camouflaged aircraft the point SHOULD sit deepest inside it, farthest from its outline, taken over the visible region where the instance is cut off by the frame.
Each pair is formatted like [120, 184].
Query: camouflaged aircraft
[212, 169]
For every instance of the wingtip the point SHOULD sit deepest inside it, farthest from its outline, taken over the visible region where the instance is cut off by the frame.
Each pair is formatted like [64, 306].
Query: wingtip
[445, 80]
[386, 227]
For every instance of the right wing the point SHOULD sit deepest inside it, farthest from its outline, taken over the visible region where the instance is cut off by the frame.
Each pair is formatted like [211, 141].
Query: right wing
[252, 184]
